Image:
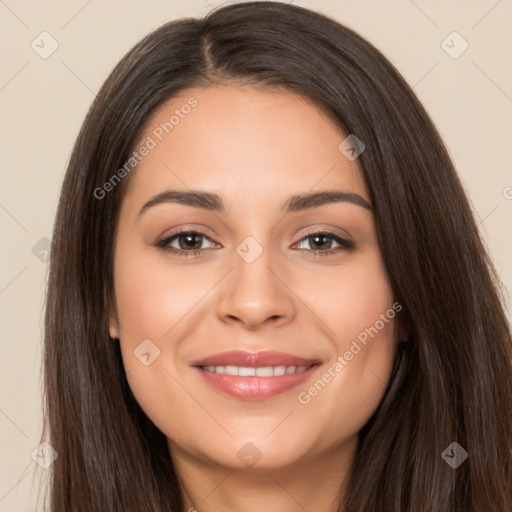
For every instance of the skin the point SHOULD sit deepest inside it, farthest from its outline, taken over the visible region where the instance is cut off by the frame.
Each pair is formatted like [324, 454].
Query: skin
[255, 149]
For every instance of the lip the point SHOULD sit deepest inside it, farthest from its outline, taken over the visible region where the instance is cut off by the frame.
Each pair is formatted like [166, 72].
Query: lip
[254, 359]
[255, 388]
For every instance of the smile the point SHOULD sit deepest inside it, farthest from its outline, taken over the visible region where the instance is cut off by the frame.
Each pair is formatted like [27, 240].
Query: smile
[247, 371]
[255, 376]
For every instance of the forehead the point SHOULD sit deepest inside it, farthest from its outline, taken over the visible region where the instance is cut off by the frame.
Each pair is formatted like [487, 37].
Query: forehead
[237, 140]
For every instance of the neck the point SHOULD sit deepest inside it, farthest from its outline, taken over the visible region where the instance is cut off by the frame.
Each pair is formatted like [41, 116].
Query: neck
[312, 483]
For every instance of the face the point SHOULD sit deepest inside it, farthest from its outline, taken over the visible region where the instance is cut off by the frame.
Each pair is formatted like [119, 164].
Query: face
[253, 326]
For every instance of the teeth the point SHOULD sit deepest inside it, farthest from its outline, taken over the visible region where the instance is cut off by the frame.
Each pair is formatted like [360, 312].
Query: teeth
[246, 372]
[266, 371]
[279, 370]
[249, 371]
[230, 370]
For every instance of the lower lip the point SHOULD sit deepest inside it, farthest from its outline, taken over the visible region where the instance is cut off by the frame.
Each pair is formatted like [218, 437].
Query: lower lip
[255, 388]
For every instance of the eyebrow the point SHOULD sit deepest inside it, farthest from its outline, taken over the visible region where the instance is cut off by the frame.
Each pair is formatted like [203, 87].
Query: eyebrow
[296, 203]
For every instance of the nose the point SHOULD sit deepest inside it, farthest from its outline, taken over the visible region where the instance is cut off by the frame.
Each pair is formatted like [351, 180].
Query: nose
[256, 294]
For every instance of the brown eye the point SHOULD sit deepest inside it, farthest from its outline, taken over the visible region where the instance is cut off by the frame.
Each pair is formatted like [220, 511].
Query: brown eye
[189, 241]
[321, 243]
[184, 243]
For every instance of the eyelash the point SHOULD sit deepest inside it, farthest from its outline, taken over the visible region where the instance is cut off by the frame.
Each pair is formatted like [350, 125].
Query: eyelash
[345, 245]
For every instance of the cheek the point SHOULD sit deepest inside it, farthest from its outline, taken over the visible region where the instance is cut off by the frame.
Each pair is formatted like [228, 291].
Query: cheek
[360, 312]
[152, 298]
[365, 332]
[351, 300]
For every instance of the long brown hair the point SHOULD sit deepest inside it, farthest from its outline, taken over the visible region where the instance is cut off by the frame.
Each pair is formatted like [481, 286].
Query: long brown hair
[453, 379]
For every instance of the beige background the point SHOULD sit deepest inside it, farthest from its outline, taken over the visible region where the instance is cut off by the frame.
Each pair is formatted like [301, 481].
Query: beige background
[43, 103]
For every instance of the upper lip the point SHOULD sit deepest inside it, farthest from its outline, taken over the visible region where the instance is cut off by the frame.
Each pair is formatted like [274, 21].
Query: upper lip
[254, 359]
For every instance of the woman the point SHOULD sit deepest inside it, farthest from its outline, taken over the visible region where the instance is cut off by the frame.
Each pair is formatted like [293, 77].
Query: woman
[267, 290]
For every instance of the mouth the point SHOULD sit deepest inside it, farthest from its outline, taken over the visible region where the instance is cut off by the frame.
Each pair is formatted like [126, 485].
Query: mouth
[255, 376]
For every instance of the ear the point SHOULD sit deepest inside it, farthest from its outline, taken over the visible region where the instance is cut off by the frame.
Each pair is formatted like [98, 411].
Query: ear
[113, 328]
[113, 324]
